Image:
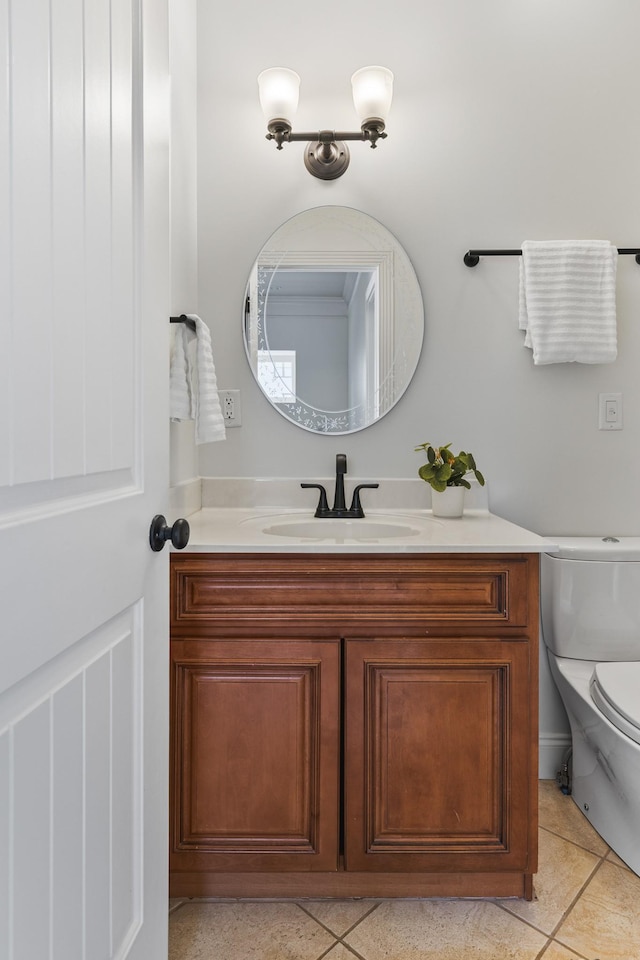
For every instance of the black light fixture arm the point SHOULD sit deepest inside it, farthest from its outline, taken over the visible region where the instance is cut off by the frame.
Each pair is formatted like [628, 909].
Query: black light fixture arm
[280, 131]
[371, 131]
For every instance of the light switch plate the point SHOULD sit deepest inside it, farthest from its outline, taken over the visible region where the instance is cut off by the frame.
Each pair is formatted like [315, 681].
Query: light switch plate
[610, 411]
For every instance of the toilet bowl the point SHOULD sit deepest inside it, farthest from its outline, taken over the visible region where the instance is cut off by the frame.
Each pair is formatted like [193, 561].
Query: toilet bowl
[590, 596]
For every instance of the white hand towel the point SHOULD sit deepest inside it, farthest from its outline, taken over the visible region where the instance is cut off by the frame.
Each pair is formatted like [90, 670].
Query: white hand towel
[193, 383]
[567, 300]
[208, 414]
[180, 406]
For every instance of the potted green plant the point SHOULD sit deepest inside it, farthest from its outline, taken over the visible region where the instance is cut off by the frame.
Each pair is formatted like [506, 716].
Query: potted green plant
[446, 473]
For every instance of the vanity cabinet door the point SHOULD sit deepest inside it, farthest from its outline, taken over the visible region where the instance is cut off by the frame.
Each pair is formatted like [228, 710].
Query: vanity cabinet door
[438, 746]
[255, 755]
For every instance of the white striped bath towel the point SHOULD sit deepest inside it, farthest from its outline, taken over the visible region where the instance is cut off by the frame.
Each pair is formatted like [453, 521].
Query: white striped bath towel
[193, 383]
[567, 301]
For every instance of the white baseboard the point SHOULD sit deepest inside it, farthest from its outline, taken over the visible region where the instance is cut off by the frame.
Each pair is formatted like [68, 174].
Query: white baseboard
[552, 748]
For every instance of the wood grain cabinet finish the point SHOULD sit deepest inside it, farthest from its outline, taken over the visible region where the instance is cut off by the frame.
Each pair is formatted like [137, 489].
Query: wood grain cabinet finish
[360, 725]
[256, 754]
[438, 754]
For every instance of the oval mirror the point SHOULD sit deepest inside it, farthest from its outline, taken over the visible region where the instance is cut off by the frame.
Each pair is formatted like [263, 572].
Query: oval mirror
[333, 320]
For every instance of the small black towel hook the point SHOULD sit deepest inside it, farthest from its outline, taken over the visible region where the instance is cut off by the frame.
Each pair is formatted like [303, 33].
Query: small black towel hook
[183, 318]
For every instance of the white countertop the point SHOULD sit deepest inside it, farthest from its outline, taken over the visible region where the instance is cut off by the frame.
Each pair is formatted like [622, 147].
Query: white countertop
[242, 530]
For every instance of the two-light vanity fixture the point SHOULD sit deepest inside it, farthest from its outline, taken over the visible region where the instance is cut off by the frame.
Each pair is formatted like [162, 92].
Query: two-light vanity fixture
[327, 155]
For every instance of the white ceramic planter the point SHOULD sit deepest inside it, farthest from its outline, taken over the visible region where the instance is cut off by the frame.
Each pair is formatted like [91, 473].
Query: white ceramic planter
[449, 503]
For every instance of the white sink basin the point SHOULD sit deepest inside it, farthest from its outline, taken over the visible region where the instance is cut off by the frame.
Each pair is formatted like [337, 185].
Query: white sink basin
[364, 529]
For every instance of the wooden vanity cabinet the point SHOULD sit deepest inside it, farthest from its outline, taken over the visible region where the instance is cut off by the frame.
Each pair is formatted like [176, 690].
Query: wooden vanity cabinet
[354, 725]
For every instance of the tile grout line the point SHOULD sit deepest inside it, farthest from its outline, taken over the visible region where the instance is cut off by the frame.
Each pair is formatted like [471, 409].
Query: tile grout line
[577, 897]
[527, 923]
[551, 941]
[346, 946]
[604, 856]
[575, 843]
[551, 936]
[339, 938]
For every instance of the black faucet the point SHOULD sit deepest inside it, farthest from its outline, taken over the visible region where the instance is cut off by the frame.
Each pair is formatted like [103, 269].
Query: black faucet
[339, 510]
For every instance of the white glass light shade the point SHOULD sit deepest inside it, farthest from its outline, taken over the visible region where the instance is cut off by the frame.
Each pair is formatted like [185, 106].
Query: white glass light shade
[279, 88]
[372, 92]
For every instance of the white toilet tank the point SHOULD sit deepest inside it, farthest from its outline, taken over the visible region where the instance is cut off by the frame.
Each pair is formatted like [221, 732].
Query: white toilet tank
[590, 595]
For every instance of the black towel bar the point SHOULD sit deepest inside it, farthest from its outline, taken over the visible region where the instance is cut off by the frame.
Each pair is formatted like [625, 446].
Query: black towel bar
[472, 257]
[183, 318]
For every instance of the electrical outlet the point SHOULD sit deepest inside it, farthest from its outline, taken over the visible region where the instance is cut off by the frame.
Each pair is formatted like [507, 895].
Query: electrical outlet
[231, 410]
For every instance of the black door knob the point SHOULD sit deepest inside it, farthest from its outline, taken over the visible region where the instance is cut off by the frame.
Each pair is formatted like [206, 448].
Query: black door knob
[160, 532]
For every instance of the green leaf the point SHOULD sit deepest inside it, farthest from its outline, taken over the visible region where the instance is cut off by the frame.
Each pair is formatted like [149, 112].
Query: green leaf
[443, 473]
[479, 477]
[426, 471]
[431, 454]
[438, 485]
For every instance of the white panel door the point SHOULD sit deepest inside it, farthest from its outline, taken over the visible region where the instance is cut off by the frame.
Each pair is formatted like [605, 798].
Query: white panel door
[84, 307]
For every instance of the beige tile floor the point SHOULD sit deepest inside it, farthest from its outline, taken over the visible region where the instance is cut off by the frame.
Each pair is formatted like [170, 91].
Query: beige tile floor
[587, 907]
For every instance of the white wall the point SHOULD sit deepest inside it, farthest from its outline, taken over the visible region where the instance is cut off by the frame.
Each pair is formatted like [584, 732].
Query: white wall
[512, 120]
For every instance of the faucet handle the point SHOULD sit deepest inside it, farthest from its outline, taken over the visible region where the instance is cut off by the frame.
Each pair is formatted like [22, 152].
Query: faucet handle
[323, 507]
[355, 510]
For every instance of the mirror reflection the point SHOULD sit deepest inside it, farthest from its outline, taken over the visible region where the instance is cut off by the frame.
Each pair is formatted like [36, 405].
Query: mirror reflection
[333, 320]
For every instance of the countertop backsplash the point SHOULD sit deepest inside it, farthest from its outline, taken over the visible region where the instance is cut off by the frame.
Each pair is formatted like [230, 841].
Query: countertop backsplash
[392, 494]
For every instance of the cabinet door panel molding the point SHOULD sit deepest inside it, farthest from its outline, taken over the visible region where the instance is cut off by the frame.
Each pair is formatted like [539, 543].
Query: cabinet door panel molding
[255, 747]
[434, 755]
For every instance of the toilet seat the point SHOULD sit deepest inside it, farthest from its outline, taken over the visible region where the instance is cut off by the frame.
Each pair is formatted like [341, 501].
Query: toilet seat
[615, 689]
